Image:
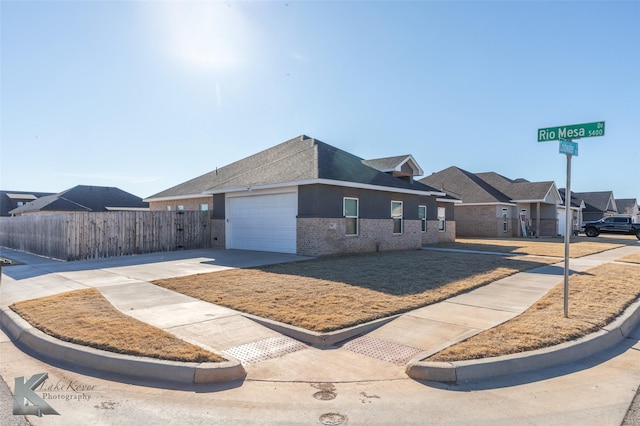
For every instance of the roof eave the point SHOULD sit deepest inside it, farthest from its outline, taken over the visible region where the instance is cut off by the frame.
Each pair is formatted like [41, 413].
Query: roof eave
[326, 182]
[174, 197]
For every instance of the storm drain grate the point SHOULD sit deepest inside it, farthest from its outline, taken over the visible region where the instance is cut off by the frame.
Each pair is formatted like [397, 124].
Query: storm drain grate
[381, 349]
[265, 349]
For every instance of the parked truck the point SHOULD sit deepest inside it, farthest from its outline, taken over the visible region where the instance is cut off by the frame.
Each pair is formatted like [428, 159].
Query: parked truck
[612, 225]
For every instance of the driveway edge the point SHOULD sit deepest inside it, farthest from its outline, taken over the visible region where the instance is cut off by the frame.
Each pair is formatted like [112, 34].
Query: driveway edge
[461, 371]
[43, 346]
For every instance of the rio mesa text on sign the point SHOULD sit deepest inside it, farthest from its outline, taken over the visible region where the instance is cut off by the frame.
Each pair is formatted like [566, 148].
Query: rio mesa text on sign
[575, 131]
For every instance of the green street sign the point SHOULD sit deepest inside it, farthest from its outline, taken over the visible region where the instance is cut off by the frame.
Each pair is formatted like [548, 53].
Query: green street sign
[574, 131]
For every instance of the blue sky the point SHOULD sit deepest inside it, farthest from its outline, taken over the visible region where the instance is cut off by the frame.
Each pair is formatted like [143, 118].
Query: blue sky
[145, 95]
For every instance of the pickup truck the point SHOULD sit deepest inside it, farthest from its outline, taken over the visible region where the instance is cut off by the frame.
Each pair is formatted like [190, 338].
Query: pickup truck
[612, 225]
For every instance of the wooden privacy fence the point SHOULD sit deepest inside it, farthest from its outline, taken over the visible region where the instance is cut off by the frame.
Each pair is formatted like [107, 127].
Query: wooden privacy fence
[77, 236]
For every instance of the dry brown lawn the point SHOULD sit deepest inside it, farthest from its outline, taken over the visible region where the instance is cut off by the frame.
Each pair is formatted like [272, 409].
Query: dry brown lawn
[86, 318]
[632, 258]
[331, 293]
[596, 297]
[579, 247]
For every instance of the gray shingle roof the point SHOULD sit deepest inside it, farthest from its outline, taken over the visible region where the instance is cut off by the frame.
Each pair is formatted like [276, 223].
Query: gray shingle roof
[83, 198]
[488, 187]
[627, 205]
[299, 160]
[465, 186]
[600, 201]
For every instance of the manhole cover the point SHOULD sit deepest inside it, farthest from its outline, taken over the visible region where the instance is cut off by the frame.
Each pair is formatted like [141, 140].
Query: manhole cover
[333, 419]
[324, 395]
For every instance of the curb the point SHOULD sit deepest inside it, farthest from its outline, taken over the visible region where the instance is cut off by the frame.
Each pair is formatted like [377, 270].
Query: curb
[318, 339]
[43, 346]
[460, 371]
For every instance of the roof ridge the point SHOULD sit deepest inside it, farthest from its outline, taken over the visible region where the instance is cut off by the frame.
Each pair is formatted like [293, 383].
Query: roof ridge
[266, 164]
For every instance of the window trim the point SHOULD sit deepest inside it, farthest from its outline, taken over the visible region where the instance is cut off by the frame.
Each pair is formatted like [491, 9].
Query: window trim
[356, 217]
[505, 220]
[395, 218]
[423, 219]
[442, 220]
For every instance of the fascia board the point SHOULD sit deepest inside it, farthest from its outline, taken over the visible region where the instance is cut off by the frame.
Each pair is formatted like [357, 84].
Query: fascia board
[175, 197]
[447, 200]
[326, 182]
[541, 201]
[489, 204]
[418, 169]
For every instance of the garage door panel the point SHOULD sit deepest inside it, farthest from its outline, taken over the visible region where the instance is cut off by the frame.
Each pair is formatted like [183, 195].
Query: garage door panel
[263, 222]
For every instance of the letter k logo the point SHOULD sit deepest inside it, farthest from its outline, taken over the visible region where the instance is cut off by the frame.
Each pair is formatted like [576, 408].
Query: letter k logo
[24, 393]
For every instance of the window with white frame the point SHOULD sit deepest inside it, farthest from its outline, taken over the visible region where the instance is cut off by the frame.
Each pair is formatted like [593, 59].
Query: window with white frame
[168, 208]
[442, 222]
[422, 214]
[180, 208]
[204, 207]
[396, 215]
[505, 221]
[350, 212]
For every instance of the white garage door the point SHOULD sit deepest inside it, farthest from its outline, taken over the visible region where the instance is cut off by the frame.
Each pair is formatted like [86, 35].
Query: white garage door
[262, 222]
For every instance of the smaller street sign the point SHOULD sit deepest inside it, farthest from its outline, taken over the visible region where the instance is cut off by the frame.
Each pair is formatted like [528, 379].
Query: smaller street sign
[568, 147]
[573, 131]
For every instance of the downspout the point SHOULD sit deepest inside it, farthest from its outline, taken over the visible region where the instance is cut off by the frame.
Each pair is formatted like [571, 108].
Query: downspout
[538, 219]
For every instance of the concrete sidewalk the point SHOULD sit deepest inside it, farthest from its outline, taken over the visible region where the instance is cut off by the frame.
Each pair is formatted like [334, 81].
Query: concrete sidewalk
[269, 351]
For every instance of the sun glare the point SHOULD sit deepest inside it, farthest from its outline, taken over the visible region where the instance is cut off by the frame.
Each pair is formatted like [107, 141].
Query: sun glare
[203, 35]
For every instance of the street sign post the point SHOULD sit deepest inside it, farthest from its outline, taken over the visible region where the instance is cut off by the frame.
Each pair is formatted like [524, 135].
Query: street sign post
[565, 134]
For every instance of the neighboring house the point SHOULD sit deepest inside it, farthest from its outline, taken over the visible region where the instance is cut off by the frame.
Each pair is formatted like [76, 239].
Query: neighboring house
[597, 204]
[10, 200]
[307, 197]
[495, 206]
[629, 206]
[83, 198]
[577, 206]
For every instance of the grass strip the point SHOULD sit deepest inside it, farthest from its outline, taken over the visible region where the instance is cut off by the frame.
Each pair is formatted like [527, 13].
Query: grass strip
[596, 298]
[86, 318]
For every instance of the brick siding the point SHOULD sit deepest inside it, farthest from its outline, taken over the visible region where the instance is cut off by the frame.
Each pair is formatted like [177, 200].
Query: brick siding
[322, 236]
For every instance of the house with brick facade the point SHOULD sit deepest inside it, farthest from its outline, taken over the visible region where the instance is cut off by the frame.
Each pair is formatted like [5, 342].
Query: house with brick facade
[307, 197]
[495, 206]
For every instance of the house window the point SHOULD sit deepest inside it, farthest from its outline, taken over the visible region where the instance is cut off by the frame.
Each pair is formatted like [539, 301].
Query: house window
[20, 203]
[422, 214]
[350, 212]
[505, 223]
[442, 223]
[396, 215]
[180, 208]
[204, 207]
[168, 208]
